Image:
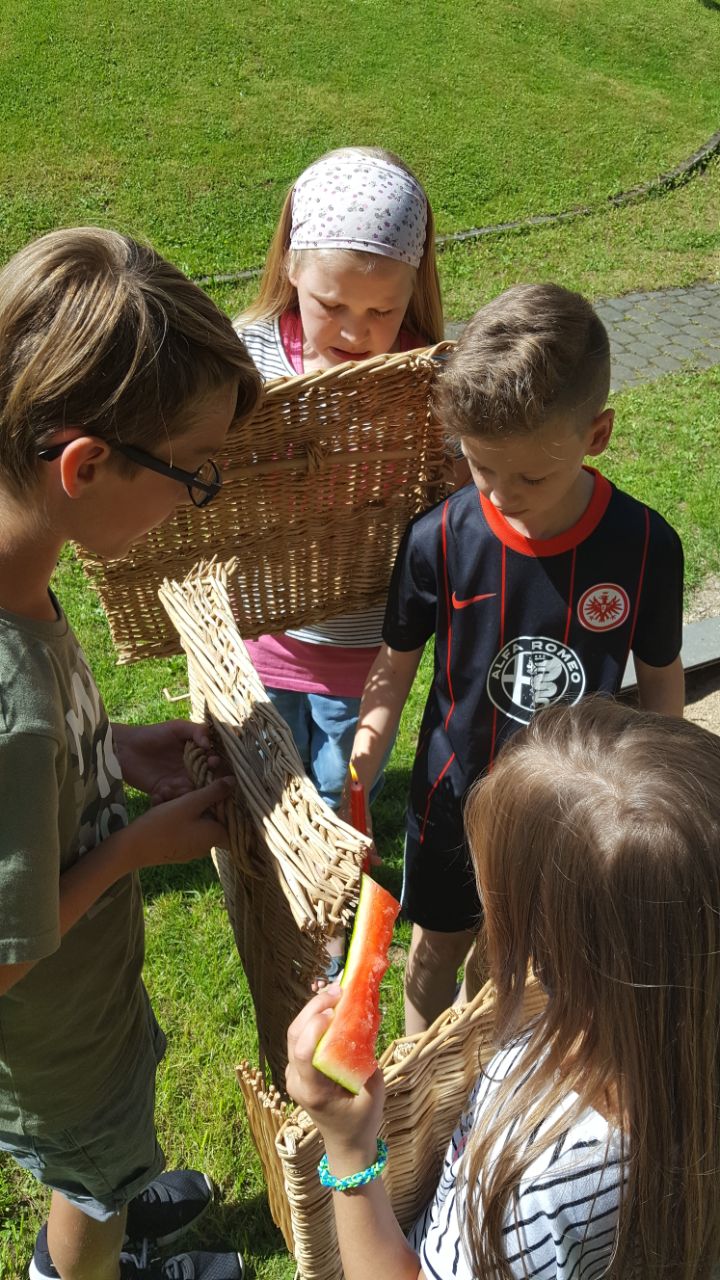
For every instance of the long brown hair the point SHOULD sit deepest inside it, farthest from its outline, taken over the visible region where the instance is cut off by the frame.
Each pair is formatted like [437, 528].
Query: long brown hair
[596, 843]
[100, 331]
[276, 295]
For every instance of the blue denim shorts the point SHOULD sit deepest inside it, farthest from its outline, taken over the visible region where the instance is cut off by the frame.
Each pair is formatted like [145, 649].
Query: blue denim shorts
[323, 728]
[100, 1164]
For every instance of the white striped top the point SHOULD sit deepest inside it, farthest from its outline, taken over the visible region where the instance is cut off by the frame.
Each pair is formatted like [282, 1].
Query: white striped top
[351, 630]
[567, 1205]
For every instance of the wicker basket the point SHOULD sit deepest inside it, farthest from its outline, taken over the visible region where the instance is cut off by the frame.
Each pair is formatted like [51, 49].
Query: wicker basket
[293, 867]
[317, 492]
[428, 1078]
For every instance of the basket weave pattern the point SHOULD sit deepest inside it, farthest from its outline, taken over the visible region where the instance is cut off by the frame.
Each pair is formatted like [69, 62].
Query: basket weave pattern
[293, 867]
[428, 1078]
[317, 492]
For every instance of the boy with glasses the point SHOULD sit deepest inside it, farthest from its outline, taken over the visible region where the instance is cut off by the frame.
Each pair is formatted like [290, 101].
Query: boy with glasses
[202, 485]
[119, 379]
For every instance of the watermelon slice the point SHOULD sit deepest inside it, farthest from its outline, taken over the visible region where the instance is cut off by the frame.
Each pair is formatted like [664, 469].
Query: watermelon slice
[346, 1051]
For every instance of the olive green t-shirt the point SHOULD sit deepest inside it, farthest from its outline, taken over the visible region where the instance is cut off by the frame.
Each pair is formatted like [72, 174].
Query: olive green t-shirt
[69, 1028]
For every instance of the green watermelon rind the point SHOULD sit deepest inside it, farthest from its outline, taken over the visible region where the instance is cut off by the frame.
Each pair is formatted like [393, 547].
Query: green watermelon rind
[324, 1059]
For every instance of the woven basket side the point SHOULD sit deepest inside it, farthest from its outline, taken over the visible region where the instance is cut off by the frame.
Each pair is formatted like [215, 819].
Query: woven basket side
[292, 869]
[317, 493]
[198, 705]
[317, 1252]
[267, 1112]
[426, 1089]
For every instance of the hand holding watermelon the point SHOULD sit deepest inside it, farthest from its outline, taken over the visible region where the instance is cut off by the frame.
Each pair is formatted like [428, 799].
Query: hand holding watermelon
[346, 1051]
[331, 1044]
[346, 1120]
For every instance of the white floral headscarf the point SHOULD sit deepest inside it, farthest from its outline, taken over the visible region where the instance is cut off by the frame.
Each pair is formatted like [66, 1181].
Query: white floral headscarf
[359, 202]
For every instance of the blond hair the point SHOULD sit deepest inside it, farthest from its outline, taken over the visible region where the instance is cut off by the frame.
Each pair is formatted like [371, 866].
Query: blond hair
[424, 316]
[596, 843]
[99, 331]
[535, 354]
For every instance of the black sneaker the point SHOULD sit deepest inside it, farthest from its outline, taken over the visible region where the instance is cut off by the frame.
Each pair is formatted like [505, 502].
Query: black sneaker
[168, 1206]
[142, 1266]
[183, 1266]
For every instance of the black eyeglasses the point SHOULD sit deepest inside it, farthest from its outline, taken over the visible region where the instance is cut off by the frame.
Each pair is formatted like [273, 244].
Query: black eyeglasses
[203, 485]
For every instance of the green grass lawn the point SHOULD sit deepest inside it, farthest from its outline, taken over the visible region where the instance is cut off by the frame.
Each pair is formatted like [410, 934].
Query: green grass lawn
[669, 241]
[186, 123]
[663, 451]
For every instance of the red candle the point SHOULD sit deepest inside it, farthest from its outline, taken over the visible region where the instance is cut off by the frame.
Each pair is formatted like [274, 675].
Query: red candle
[357, 807]
[357, 801]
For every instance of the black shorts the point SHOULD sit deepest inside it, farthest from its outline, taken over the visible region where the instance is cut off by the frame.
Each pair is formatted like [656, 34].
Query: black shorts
[439, 888]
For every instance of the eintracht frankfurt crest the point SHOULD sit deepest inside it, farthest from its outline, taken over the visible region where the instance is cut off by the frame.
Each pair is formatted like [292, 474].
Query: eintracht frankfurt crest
[603, 607]
[531, 672]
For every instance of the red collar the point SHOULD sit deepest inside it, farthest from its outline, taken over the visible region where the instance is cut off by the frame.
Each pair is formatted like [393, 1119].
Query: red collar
[565, 541]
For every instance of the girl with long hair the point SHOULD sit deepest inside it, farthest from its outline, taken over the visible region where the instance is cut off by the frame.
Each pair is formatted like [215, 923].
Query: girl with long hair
[590, 1145]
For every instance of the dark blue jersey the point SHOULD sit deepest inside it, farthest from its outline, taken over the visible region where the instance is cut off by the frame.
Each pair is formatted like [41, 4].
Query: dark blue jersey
[520, 624]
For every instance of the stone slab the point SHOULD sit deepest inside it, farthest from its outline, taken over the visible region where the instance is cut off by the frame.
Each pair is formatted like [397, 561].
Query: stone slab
[700, 648]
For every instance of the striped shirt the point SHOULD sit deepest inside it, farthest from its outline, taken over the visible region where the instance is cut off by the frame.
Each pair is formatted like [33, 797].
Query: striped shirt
[567, 1203]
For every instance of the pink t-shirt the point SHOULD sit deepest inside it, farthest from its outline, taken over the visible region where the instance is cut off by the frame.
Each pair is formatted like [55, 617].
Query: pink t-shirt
[286, 663]
[282, 661]
[291, 333]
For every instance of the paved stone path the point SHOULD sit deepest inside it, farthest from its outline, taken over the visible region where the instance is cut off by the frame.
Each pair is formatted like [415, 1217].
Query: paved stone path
[652, 334]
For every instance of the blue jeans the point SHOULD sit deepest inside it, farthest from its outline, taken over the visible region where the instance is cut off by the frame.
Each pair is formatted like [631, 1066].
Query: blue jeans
[324, 731]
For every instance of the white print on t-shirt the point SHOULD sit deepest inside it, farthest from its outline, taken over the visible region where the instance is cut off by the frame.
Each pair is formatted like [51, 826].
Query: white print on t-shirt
[531, 672]
[106, 761]
[603, 607]
[89, 707]
[98, 784]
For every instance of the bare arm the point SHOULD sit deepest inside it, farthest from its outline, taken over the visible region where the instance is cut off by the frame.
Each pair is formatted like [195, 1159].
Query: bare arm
[371, 1241]
[174, 832]
[370, 1238]
[12, 973]
[152, 756]
[384, 696]
[661, 689]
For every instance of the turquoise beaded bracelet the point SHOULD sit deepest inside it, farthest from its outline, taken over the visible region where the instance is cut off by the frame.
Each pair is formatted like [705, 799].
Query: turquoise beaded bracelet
[354, 1180]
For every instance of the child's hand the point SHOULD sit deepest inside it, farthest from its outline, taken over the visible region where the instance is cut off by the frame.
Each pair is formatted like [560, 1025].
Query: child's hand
[182, 829]
[343, 812]
[347, 1122]
[152, 756]
[374, 856]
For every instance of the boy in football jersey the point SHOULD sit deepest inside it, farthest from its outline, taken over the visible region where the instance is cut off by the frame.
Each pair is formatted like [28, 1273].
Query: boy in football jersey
[537, 581]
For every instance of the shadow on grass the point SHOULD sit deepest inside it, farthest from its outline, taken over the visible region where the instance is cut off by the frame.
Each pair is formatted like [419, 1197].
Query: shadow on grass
[389, 828]
[711, 4]
[247, 1227]
[181, 877]
[699, 684]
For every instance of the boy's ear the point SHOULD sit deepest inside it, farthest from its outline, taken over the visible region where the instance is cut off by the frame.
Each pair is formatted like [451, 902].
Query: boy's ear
[600, 432]
[79, 463]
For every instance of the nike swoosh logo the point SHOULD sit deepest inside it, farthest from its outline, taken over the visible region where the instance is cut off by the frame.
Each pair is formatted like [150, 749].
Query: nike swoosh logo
[463, 604]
